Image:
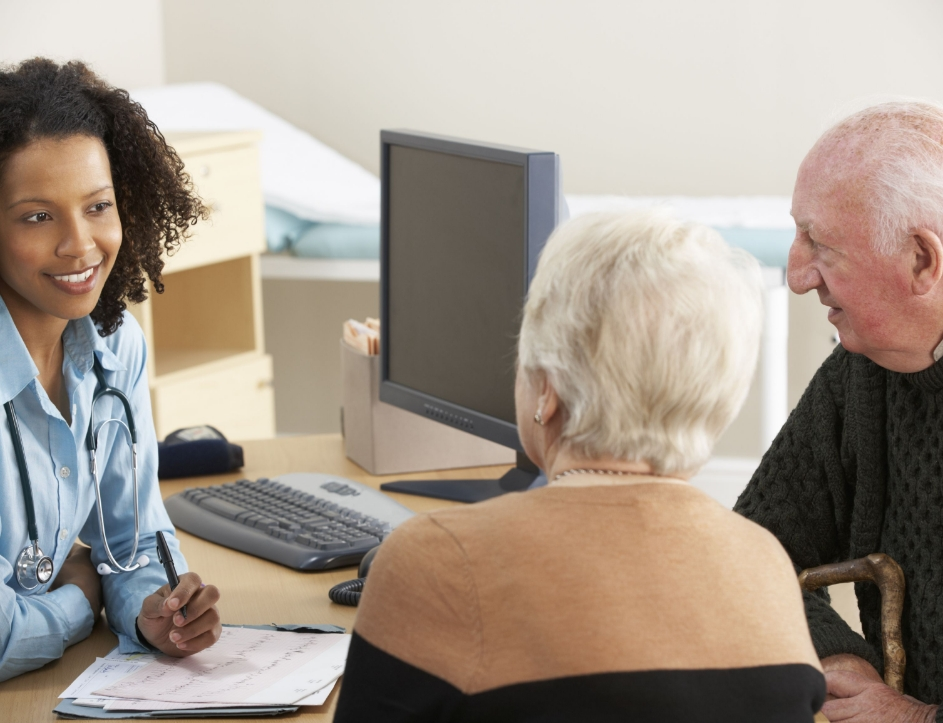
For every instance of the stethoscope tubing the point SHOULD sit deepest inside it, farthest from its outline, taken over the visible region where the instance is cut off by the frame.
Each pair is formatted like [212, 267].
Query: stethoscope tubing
[91, 442]
[31, 528]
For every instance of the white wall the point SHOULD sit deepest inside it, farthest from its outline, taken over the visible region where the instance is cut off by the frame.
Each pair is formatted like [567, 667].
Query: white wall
[673, 97]
[121, 39]
[638, 97]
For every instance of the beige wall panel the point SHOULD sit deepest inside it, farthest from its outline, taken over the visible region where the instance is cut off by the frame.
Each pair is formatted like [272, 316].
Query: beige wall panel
[681, 96]
[122, 41]
[302, 327]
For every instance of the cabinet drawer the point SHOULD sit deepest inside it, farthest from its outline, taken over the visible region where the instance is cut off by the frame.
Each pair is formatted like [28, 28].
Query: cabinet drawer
[228, 182]
[234, 396]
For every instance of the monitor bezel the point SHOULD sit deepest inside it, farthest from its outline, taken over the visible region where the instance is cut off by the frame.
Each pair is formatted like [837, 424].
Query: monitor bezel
[542, 202]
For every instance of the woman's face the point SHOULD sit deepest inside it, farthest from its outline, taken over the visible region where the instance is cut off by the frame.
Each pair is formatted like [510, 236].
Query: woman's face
[59, 227]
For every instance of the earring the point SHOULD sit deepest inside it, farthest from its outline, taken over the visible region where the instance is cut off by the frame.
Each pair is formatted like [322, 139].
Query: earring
[538, 418]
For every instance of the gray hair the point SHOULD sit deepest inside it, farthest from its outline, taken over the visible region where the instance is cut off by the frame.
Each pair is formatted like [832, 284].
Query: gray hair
[648, 329]
[901, 146]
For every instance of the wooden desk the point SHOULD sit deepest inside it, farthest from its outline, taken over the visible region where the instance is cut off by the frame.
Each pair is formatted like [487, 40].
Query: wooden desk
[254, 591]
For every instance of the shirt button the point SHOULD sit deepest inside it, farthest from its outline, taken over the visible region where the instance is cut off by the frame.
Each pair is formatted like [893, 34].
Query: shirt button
[65, 472]
[63, 533]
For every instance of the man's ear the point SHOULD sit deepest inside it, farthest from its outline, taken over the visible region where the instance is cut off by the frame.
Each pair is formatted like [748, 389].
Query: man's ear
[927, 260]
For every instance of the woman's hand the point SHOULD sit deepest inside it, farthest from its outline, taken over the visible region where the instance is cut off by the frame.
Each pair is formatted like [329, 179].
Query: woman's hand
[78, 570]
[164, 627]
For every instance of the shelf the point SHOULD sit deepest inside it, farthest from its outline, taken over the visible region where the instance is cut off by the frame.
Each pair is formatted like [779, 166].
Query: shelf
[198, 361]
[281, 266]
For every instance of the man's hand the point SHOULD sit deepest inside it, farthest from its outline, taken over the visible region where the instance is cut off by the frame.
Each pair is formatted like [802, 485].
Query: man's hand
[852, 664]
[858, 698]
[164, 627]
[78, 570]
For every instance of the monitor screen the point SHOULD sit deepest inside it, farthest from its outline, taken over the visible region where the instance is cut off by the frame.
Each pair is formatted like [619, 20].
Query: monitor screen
[463, 224]
[456, 275]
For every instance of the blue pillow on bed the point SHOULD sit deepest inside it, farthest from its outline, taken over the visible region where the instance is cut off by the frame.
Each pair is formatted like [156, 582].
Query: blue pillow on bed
[338, 241]
[282, 228]
[769, 245]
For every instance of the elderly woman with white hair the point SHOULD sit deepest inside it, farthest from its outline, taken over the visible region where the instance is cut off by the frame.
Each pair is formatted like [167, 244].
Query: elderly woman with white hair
[618, 591]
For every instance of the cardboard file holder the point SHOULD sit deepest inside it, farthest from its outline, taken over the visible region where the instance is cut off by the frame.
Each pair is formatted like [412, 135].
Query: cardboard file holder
[384, 439]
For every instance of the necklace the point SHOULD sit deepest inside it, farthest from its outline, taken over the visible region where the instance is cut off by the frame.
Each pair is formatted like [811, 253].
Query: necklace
[568, 472]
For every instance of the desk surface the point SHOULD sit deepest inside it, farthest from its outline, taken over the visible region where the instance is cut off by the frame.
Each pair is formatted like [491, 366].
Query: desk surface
[254, 591]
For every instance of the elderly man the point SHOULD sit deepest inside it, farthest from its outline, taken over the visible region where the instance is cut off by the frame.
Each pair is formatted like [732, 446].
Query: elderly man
[858, 467]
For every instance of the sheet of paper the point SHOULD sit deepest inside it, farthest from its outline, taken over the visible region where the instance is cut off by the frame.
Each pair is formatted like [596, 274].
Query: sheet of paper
[127, 704]
[254, 667]
[91, 702]
[100, 674]
[115, 655]
[319, 697]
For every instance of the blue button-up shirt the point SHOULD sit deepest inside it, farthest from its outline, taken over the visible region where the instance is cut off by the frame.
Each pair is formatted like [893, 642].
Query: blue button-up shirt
[37, 625]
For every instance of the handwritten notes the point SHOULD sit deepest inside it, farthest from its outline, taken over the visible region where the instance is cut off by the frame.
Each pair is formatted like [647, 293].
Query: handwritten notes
[247, 666]
[101, 673]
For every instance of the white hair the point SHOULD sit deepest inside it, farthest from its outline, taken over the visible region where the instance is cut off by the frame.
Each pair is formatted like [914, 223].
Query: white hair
[648, 329]
[900, 144]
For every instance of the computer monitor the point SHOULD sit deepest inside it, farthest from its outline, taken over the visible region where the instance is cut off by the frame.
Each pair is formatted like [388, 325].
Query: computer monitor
[462, 226]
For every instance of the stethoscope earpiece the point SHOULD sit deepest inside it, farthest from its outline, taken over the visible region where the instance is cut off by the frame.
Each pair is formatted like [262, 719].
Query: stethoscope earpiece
[105, 568]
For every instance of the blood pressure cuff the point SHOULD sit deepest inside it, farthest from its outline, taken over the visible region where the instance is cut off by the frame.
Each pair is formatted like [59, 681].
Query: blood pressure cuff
[196, 451]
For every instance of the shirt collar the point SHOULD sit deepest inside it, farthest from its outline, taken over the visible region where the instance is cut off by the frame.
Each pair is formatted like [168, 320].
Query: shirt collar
[80, 341]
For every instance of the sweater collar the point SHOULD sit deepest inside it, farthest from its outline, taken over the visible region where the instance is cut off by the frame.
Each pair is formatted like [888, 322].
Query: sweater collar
[929, 379]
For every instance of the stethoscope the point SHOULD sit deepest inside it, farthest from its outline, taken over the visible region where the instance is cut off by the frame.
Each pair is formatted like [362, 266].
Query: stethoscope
[33, 566]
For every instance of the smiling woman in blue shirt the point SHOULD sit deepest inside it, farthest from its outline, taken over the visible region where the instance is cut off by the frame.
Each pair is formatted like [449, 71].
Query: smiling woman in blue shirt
[90, 198]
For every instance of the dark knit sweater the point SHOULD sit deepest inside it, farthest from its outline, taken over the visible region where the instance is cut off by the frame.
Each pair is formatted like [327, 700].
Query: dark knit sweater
[856, 469]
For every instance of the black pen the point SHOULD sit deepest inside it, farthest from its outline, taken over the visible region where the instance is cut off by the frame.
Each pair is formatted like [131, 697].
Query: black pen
[163, 554]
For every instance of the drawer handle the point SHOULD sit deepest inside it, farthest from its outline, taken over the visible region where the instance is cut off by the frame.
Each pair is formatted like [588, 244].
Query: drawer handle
[204, 170]
[264, 384]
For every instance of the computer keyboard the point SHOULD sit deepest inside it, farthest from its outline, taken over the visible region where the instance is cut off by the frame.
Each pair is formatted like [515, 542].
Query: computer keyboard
[305, 521]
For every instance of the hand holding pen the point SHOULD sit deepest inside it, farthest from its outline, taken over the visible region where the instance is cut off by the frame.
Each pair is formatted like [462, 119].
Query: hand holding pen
[181, 617]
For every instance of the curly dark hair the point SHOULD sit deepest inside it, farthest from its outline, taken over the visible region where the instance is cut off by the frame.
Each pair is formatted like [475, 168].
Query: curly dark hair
[155, 198]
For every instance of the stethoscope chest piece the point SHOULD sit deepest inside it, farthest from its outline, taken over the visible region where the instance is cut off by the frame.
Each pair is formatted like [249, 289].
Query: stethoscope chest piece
[33, 568]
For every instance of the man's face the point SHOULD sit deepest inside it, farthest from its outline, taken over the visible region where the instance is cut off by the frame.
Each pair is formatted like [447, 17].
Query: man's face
[867, 294]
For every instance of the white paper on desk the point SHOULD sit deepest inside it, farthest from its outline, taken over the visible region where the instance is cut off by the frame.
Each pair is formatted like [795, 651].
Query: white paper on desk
[127, 704]
[319, 697]
[255, 667]
[91, 702]
[101, 673]
[115, 655]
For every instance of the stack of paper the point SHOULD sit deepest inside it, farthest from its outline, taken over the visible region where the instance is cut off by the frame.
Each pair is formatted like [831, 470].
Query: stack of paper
[247, 672]
[363, 337]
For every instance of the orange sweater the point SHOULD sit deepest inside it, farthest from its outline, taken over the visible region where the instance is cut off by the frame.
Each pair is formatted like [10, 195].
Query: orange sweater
[583, 601]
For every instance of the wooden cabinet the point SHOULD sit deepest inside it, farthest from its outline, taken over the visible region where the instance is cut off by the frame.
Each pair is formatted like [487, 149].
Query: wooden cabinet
[206, 357]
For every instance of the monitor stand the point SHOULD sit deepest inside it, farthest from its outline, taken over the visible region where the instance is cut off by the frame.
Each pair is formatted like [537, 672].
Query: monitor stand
[517, 479]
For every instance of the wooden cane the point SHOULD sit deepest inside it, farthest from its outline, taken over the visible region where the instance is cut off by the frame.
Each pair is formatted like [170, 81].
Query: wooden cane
[887, 575]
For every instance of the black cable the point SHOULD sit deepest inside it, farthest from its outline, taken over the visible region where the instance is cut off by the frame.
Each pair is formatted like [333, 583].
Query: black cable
[347, 593]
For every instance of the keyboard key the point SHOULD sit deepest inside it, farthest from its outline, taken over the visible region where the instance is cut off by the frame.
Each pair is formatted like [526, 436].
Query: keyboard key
[335, 545]
[222, 507]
